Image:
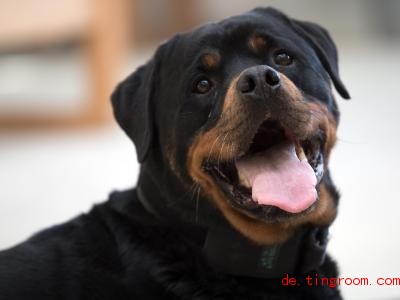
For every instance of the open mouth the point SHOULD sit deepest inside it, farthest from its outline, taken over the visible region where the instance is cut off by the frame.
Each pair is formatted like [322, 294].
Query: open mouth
[276, 178]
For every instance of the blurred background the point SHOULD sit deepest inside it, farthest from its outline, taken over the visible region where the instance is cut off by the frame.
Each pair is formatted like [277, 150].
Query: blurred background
[61, 151]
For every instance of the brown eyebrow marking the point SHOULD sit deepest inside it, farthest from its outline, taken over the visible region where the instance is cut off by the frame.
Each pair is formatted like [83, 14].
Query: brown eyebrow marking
[257, 42]
[211, 60]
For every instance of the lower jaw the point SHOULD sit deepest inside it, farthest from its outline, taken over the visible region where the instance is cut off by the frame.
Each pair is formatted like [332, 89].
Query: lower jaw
[272, 214]
[261, 229]
[239, 198]
[265, 213]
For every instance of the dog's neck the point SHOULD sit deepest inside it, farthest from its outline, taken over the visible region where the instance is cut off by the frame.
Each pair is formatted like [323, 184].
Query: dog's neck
[175, 202]
[229, 252]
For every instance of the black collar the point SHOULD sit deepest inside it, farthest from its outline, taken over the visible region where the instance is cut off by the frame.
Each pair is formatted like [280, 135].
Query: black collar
[227, 251]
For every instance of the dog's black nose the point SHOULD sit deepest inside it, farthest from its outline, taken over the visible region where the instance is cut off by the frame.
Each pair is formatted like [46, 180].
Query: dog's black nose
[258, 80]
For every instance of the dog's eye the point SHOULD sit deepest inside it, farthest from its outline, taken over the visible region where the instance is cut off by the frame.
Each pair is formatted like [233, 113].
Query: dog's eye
[203, 86]
[283, 59]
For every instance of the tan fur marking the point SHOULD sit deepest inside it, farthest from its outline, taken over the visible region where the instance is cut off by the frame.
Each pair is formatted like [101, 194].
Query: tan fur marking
[211, 60]
[324, 120]
[290, 88]
[230, 95]
[326, 210]
[257, 43]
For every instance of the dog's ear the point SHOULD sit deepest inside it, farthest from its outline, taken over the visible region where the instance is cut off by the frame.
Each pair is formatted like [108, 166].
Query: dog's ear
[320, 40]
[325, 49]
[132, 104]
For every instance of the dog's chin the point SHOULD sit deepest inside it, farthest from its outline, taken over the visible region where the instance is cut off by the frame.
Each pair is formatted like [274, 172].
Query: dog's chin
[276, 178]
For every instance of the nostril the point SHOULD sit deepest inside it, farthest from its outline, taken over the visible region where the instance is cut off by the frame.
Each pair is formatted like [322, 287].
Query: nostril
[272, 77]
[246, 84]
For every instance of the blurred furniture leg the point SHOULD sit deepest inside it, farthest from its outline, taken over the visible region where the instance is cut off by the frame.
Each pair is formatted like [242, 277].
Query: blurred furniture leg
[106, 48]
[99, 28]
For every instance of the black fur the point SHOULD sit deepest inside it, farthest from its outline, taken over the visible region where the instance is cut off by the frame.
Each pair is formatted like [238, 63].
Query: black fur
[123, 249]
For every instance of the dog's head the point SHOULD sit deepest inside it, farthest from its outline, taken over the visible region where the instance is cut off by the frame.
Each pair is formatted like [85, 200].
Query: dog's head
[244, 109]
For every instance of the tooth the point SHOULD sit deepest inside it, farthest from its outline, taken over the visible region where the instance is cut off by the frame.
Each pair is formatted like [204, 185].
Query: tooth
[300, 153]
[243, 180]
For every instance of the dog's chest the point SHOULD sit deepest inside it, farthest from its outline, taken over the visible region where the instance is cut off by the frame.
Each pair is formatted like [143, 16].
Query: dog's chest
[178, 271]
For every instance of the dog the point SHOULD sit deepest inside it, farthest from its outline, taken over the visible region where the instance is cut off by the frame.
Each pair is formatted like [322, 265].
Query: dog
[233, 124]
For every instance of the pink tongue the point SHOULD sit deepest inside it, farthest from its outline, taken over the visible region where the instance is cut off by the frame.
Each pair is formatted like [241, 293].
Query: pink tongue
[277, 177]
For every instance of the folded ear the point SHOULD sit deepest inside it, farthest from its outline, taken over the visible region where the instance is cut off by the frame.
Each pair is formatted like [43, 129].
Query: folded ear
[319, 39]
[133, 107]
[325, 49]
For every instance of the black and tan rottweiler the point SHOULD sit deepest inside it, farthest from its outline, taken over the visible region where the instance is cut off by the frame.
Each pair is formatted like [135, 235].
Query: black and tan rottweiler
[233, 124]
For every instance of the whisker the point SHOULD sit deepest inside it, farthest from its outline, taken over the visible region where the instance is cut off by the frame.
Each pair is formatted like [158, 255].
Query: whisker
[212, 147]
[197, 204]
[221, 149]
[194, 190]
[191, 191]
[231, 149]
